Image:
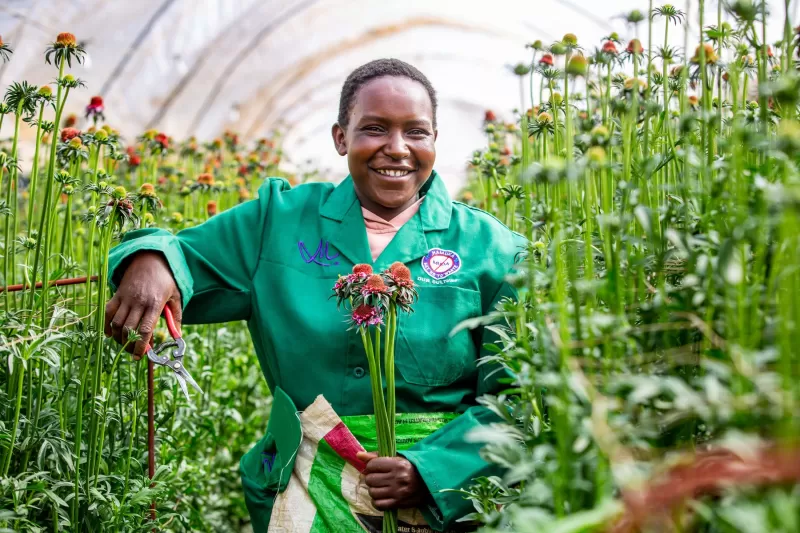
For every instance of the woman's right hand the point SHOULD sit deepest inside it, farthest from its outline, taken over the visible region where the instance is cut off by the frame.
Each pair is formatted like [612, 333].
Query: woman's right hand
[146, 287]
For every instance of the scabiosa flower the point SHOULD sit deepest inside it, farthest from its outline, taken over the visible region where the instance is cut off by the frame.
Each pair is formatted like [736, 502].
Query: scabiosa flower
[66, 48]
[95, 109]
[400, 273]
[634, 47]
[362, 270]
[367, 315]
[163, 140]
[147, 189]
[708, 51]
[610, 48]
[71, 120]
[5, 50]
[577, 66]
[375, 285]
[69, 134]
[546, 60]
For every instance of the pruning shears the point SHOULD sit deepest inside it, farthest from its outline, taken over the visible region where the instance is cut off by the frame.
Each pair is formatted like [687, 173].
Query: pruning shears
[173, 360]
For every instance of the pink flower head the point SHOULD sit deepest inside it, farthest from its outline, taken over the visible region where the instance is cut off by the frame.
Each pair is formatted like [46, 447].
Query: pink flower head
[366, 315]
[95, 108]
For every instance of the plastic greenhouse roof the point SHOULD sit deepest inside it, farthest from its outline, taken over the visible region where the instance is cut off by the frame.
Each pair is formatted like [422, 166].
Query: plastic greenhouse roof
[197, 67]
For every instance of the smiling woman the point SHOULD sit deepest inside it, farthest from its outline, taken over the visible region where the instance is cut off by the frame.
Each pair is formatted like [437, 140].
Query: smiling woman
[250, 263]
[387, 130]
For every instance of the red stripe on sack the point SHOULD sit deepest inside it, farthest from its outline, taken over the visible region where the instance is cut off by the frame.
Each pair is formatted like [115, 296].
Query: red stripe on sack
[345, 444]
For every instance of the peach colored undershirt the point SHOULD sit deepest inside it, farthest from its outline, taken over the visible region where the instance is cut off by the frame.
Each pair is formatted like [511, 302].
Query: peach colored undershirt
[380, 232]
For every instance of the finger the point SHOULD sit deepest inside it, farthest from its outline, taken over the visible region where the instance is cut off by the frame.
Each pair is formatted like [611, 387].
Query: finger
[131, 324]
[381, 465]
[379, 480]
[174, 304]
[381, 493]
[111, 309]
[146, 327]
[385, 504]
[366, 457]
[118, 321]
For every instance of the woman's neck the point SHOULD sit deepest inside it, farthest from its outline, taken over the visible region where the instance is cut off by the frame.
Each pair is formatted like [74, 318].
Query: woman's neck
[386, 213]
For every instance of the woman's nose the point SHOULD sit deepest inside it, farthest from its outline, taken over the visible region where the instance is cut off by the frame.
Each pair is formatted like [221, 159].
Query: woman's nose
[396, 146]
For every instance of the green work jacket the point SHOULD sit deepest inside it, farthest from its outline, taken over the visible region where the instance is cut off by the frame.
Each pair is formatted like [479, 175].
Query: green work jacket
[273, 261]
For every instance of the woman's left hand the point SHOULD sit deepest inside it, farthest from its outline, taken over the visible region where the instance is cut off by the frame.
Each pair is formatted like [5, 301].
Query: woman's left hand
[394, 483]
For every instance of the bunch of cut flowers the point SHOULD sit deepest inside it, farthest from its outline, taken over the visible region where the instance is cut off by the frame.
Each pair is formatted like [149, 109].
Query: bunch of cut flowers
[375, 299]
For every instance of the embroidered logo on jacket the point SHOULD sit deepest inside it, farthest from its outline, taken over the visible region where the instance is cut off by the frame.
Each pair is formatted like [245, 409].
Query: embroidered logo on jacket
[439, 263]
[320, 257]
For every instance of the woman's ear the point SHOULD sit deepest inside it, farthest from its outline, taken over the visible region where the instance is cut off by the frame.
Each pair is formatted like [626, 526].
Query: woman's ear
[339, 139]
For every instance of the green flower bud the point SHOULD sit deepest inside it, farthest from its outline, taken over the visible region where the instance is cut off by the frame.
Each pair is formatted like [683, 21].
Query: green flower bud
[101, 135]
[570, 39]
[119, 193]
[577, 66]
[558, 49]
[45, 91]
[596, 154]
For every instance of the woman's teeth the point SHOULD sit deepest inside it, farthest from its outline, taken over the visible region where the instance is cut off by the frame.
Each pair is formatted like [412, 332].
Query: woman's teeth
[393, 173]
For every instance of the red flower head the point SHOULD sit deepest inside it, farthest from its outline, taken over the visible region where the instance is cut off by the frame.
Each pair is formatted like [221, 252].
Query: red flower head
[546, 59]
[95, 108]
[69, 133]
[769, 51]
[134, 161]
[506, 150]
[71, 120]
[67, 40]
[401, 274]
[610, 48]
[163, 140]
[362, 269]
[162, 180]
[205, 179]
[375, 285]
[211, 208]
[367, 315]
[489, 116]
[243, 170]
[635, 47]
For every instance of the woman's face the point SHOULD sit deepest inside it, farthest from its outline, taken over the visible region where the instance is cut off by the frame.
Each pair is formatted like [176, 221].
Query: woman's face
[389, 143]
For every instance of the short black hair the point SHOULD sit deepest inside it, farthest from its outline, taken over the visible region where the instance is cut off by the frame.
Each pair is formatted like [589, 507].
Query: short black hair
[378, 69]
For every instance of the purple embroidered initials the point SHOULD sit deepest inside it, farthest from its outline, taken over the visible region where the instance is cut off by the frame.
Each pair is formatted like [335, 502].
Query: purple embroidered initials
[320, 257]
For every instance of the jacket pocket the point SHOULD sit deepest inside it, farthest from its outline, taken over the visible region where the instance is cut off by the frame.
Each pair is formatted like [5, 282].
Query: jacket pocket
[425, 353]
[267, 467]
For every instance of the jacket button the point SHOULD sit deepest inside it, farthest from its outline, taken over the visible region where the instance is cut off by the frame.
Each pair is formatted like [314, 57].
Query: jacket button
[358, 372]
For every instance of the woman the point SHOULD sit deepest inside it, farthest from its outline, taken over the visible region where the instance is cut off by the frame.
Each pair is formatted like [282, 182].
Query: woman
[272, 261]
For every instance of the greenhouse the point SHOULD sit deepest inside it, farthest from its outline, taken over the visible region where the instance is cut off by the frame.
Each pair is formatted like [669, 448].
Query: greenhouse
[323, 265]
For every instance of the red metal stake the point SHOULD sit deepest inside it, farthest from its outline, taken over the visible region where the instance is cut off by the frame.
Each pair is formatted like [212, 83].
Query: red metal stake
[151, 432]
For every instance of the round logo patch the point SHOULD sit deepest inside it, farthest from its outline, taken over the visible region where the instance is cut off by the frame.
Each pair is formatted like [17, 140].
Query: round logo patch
[439, 263]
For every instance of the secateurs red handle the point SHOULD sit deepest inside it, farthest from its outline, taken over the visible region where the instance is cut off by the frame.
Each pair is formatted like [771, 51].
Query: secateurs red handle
[175, 359]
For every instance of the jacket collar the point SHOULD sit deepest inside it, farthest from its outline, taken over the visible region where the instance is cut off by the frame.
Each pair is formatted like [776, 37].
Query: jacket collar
[434, 212]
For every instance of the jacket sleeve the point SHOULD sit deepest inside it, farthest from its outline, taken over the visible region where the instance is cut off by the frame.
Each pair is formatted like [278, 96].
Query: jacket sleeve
[446, 460]
[213, 263]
